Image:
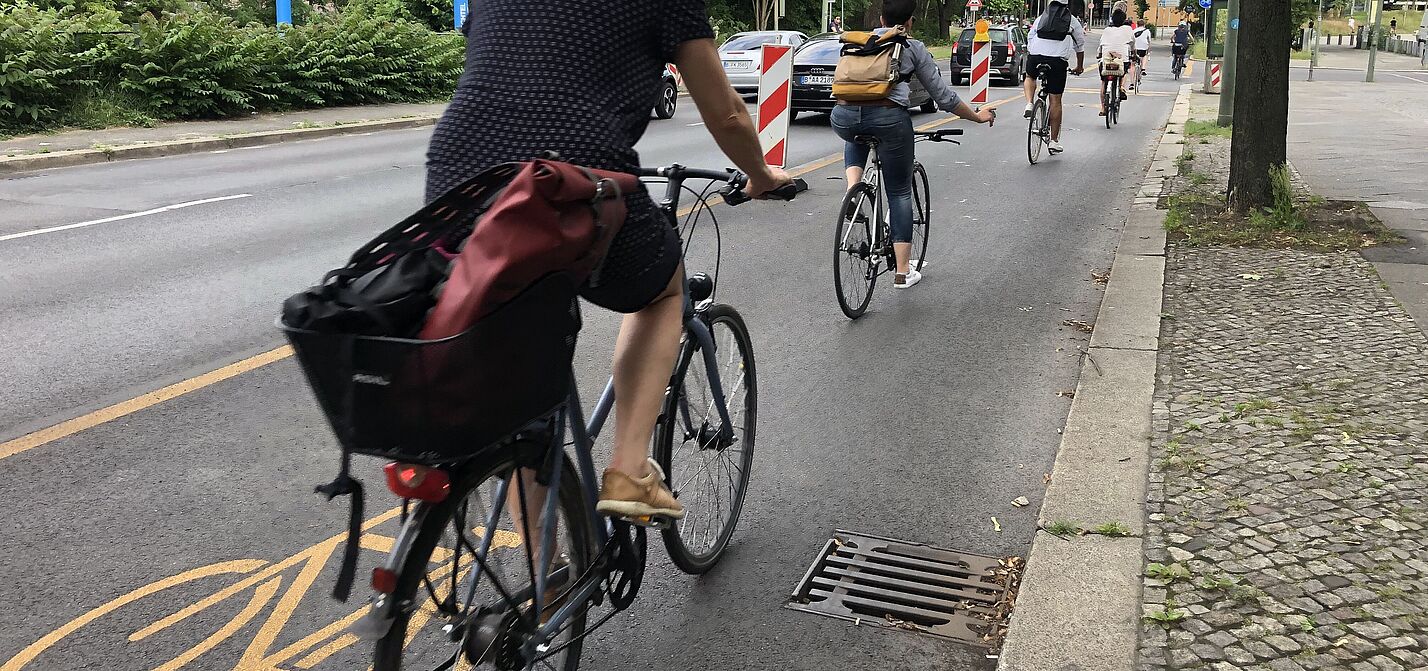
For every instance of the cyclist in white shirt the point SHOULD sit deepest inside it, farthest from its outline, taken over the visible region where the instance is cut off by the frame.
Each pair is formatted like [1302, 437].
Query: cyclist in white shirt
[1117, 41]
[1054, 36]
[1142, 47]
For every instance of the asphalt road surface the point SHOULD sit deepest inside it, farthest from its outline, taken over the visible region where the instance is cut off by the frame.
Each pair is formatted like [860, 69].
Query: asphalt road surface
[184, 534]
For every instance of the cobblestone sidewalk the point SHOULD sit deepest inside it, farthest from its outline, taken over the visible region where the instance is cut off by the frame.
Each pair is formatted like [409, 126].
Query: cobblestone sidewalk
[1286, 519]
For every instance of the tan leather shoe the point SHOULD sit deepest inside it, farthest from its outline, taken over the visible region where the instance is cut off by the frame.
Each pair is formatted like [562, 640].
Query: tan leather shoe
[624, 496]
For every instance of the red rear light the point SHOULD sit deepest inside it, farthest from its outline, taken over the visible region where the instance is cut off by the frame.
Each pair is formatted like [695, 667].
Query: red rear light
[1011, 48]
[411, 481]
[384, 580]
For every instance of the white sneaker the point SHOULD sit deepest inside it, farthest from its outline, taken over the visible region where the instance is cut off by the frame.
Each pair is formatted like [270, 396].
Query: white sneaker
[1027, 113]
[1055, 147]
[912, 277]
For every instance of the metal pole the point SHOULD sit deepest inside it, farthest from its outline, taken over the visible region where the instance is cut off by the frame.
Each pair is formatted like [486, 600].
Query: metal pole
[1377, 9]
[1314, 49]
[1227, 71]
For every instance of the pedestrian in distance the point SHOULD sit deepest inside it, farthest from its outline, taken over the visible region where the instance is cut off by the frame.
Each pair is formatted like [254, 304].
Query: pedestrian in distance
[1053, 38]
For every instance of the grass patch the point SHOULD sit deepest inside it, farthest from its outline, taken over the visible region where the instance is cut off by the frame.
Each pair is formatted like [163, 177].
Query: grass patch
[942, 52]
[1062, 528]
[1201, 220]
[1198, 128]
[1169, 573]
[1112, 529]
[1166, 616]
[1184, 160]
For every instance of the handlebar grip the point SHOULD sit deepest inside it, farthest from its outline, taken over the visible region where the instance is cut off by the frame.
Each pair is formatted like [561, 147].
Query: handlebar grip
[788, 191]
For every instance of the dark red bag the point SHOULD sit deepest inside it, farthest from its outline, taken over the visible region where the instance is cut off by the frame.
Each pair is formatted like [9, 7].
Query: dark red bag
[552, 217]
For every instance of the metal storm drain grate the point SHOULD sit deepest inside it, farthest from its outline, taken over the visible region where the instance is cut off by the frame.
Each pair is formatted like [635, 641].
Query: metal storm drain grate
[899, 584]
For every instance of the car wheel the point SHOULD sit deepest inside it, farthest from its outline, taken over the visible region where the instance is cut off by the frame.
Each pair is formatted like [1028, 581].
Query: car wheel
[668, 99]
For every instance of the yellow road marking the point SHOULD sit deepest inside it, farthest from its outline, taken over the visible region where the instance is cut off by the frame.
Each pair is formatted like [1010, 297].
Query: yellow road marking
[261, 596]
[133, 405]
[47, 641]
[326, 651]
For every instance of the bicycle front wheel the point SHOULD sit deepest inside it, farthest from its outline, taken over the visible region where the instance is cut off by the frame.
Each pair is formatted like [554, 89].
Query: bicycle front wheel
[1035, 138]
[921, 215]
[707, 467]
[855, 262]
[439, 614]
[1110, 97]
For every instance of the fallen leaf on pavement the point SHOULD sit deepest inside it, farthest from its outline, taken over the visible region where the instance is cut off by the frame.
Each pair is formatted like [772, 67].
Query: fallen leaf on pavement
[1100, 277]
[1020, 501]
[996, 526]
[1078, 325]
[1066, 394]
[1046, 479]
[1251, 276]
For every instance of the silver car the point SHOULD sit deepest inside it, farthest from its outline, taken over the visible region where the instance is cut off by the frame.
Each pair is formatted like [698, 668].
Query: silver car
[741, 56]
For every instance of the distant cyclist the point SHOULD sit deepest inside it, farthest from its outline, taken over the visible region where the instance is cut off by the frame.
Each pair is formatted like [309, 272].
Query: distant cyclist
[1142, 48]
[1179, 46]
[1117, 41]
[1054, 36]
[890, 122]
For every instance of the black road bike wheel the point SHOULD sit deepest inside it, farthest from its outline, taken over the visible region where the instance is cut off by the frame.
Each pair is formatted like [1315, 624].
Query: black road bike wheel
[1035, 138]
[432, 585]
[854, 259]
[708, 473]
[1110, 95]
[921, 215]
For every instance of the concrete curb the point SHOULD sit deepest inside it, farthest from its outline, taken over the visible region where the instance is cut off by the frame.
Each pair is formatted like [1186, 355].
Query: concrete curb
[1079, 604]
[65, 159]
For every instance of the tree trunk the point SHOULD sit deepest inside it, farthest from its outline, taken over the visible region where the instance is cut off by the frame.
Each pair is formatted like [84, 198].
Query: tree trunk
[1261, 120]
[944, 19]
[873, 16]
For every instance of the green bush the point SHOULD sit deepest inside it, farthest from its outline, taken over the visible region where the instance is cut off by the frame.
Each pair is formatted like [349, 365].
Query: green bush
[69, 65]
[191, 65]
[49, 58]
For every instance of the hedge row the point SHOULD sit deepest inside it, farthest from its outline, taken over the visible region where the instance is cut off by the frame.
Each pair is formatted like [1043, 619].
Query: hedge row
[201, 64]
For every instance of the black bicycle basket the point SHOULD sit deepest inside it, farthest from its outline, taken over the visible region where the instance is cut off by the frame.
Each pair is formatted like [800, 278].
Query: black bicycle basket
[441, 401]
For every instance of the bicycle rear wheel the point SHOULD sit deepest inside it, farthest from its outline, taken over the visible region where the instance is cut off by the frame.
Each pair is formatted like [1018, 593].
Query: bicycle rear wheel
[709, 473]
[436, 604]
[921, 215]
[1035, 140]
[855, 262]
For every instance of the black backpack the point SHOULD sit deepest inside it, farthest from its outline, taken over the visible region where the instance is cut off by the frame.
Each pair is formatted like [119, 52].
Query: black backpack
[1055, 23]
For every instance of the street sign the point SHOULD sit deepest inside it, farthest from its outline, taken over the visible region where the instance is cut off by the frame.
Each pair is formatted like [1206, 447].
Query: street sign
[974, 4]
[459, 10]
[1204, 4]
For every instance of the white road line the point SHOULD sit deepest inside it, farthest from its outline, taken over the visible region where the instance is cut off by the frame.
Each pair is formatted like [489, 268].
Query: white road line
[122, 217]
[1412, 79]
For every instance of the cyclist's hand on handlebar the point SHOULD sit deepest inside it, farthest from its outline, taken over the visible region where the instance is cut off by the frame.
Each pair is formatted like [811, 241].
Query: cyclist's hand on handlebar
[987, 116]
[760, 186]
[1077, 71]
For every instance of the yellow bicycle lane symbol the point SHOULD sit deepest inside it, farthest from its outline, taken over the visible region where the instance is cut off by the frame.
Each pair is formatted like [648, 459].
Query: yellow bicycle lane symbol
[264, 580]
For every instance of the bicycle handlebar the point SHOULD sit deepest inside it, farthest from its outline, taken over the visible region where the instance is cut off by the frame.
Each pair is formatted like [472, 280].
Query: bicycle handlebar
[733, 191]
[939, 135]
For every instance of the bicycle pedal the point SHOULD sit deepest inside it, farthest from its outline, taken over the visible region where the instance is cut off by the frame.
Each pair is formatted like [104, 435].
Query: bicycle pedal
[657, 522]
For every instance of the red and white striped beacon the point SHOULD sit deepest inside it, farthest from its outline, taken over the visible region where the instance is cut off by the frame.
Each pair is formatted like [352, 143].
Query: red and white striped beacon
[981, 61]
[775, 101]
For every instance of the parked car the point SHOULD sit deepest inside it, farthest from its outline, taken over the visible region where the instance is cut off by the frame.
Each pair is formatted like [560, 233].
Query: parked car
[813, 66]
[668, 94]
[742, 57]
[1008, 54]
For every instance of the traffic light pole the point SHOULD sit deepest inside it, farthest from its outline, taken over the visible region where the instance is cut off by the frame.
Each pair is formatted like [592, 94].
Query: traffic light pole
[1227, 72]
[1377, 9]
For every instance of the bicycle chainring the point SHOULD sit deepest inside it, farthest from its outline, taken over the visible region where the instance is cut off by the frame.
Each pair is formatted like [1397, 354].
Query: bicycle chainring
[627, 564]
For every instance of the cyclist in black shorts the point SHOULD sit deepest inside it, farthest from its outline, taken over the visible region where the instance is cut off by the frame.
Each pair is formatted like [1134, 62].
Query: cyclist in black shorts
[1054, 36]
[520, 95]
[1179, 46]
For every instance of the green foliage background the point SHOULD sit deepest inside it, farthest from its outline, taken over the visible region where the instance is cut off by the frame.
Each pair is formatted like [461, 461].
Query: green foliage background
[104, 63]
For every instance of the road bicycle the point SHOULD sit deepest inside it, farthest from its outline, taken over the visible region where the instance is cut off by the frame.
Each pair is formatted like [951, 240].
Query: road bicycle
[1139, 64]
[501, 560]
[1038, 129]
[862, 238]
[1177, 64]
[1111, 98]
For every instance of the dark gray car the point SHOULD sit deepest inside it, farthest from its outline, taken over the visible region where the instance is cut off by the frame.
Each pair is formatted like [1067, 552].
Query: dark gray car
[813, 66]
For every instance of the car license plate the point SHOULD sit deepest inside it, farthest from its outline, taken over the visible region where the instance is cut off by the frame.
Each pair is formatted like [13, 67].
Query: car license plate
[738, 65]
[816, 80]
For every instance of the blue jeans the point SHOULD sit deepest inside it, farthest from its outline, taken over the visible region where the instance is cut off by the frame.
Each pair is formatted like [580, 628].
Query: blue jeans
[893, 128]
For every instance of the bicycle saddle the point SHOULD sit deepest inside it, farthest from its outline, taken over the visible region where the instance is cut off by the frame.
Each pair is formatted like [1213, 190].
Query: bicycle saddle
[869, 140]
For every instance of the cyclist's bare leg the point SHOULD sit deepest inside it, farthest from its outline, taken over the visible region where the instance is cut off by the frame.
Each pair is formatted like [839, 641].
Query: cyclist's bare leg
[1054, 102]
[1028, 86]
[644, 358]
[854, 173]
[902, 253]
